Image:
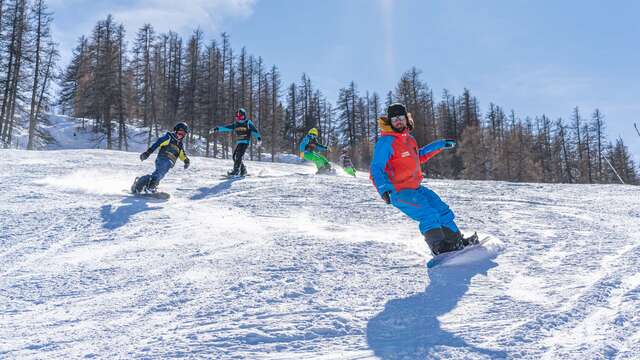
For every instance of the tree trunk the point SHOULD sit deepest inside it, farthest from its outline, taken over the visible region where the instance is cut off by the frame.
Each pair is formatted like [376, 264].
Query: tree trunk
[36, 77]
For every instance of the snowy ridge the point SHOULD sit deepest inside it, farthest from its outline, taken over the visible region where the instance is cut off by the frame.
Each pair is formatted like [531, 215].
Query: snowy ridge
[286, 264]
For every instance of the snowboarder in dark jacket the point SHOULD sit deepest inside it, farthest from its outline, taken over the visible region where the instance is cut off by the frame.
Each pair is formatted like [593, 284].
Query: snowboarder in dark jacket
[244, 129]
[170, 149]
[396, 174]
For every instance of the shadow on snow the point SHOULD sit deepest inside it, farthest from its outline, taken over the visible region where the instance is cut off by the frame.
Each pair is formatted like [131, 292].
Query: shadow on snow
[132, 205]
[409, 327]
[223, 186]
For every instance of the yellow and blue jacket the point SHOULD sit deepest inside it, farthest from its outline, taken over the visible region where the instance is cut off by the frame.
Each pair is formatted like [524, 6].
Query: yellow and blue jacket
[170, 147]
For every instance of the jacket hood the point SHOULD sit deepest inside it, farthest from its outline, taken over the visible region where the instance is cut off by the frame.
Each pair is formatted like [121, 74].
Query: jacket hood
[385, 126]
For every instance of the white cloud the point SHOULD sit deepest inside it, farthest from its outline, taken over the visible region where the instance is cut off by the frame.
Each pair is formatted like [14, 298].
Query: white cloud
[182, 16]
[74, 18]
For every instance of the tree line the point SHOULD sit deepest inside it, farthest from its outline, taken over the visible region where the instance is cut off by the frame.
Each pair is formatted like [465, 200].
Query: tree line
[28, 57]
[162, 78]
[495, 145]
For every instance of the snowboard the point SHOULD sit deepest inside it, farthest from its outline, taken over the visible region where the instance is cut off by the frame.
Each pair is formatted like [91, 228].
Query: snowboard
[153, 195]
[446, 257]
[330, 171]
[156, 195]
[228, 177]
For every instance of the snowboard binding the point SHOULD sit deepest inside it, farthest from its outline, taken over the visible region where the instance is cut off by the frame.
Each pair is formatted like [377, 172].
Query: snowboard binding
[144, 185]
[325, 170]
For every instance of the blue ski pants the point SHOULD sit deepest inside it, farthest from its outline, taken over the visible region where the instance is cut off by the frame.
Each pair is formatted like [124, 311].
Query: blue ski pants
[163, 165]
[426, 207]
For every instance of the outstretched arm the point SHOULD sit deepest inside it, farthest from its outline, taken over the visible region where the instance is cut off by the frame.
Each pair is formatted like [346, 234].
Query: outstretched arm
[224, 128]
[428, 151]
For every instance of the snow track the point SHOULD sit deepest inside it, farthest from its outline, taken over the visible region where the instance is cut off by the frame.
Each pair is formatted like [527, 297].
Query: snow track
[286, 264]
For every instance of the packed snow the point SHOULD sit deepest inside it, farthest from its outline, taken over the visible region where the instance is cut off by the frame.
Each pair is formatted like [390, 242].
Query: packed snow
[289, 265]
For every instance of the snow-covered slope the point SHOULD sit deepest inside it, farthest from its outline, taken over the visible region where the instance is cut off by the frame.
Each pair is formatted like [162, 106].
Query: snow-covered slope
[66, 132]
[60, 132]
[285, 264]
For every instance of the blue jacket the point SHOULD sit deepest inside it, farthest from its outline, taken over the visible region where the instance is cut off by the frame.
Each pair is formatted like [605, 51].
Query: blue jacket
[310, 143]
[170, 147]
[243, 130]
[396, 161]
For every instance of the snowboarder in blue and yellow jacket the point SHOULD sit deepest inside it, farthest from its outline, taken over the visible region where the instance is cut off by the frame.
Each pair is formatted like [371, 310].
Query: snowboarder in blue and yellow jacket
[396, 174]
[244, 129]
[170, 149]
[310, 149]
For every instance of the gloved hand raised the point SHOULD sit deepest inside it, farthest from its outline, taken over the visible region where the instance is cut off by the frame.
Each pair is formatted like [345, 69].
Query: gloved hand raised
[449, 143]
[144, 156]
[187, 162]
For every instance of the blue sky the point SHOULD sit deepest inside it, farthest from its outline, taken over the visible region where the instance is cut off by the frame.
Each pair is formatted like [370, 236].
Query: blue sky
[531, 56]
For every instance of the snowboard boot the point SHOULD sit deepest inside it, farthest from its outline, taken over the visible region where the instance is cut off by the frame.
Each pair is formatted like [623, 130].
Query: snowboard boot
[134, 186]
[439, 242]
[152, 185]
[243, 170]
[435, 240]
[233, 172]
[455, 237]
[140, 184]
[471, 240]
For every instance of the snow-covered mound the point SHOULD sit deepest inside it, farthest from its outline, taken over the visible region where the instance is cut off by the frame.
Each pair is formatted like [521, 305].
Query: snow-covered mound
[60, 132]
[66, 132]
[286, 264]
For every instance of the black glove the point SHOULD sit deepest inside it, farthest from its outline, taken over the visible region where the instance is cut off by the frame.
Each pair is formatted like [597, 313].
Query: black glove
[144, 156]
[449, 143]
[187, 162]
[386, 197]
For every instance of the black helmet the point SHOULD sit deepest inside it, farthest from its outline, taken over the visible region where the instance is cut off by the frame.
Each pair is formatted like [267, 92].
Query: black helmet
[396, 109]
[181, 126]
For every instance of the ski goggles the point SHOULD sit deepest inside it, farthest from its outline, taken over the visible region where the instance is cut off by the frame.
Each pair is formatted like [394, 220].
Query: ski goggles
[397, 119]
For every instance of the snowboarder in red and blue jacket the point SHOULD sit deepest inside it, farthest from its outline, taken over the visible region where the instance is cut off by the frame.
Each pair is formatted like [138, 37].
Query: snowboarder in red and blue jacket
[396, 174]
